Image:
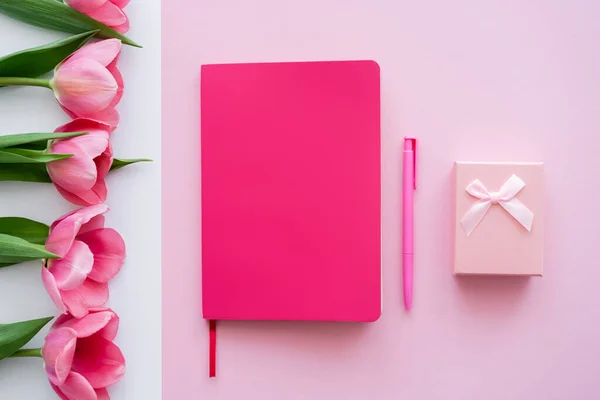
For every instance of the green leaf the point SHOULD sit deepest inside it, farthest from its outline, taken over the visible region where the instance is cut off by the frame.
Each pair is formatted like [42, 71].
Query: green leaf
[14, 250]
[23, 138]
[27, 229]
[120, 163]
[37, 61]
[14, 336]
[33, 231]
[26, 156]
[55, 15]
[24, 173]
[41, 145]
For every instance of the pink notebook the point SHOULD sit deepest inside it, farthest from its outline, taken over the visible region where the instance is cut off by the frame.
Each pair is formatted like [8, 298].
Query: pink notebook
[291, 221]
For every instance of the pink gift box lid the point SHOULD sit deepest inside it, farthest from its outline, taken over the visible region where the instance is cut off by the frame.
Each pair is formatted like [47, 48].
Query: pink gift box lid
[499, 245]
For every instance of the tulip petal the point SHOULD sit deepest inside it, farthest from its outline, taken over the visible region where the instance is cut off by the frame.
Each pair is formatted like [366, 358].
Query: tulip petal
[64, 217]
[58, 392]
[84, 86]
[109, 14]
[73, 198]
[108, 248]
[64, 230]
[89, 294]
[99, 360]
[102, 394]
[96, 195]
[108, 115]
[112, 68]
[103, 52]
[85, 6]
[58, 352]
[76, 387]
[74, 174]
[100, 190]
[52, 289]
[109, 332]
[71, 270]
[79, 173]
[93, 224]
[104, 162]
[69, 112]
[94, 322]
[95, 143]
[84, 125]
[124, 27]
[120, 3]
[60, 321]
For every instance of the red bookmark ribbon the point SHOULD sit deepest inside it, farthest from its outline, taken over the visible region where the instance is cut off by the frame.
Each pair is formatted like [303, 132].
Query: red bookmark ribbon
[212, 363]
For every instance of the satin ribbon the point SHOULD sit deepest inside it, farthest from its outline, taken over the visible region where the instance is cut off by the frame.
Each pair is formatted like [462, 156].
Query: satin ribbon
[212, 350]
[504, 197]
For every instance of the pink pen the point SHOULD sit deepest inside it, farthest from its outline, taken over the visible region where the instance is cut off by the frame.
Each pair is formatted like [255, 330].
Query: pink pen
[409, 184]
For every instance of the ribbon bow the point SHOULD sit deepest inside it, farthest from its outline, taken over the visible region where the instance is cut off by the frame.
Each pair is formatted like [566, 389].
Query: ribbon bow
[504, 197]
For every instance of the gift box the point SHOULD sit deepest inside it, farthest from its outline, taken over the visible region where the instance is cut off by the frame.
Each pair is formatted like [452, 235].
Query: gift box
[499, 221]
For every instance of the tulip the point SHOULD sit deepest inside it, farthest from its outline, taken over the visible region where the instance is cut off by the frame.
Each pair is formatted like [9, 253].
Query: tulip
[109, 12]
[80, 358]
[87, 84]
[80, 178]
[90, 254]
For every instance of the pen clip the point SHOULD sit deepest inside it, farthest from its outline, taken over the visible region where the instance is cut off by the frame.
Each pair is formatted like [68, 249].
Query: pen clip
[413, 141]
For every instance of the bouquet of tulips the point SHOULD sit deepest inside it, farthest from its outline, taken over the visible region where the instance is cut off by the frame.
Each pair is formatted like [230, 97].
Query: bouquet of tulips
[78, 254]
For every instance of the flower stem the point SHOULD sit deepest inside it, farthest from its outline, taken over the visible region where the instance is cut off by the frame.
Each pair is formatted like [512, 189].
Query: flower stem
[28, 353]
[16, 81]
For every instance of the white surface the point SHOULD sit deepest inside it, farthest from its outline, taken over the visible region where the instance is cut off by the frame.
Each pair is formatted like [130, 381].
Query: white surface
[134, 199]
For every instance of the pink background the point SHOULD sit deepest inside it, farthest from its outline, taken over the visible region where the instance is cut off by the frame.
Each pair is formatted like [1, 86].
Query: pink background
[474, 80]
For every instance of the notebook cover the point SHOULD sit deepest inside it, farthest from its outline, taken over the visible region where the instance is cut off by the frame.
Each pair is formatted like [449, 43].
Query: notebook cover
[291, 191]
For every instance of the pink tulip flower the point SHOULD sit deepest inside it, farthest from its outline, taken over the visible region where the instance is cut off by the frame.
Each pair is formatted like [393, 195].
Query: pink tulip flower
[88, 84]
[80, 358]
[109, 12]
[80, 178]
[90, 254]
